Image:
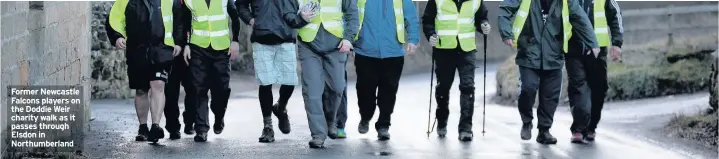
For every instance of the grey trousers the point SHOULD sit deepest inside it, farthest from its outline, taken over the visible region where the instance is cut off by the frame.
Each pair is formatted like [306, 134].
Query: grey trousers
[322, 71]
[341, 118]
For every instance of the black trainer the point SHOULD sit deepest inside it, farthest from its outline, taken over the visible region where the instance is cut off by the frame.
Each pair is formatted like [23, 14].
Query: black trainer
[142, 133]
[589, 136]
[201, 137]
[383, 134]
[526, 133]
[175, 135]
[268, 135]
[442, 131]
[465, 136]
[218, 126]
[332, 131]
[189, 129]
[316, 143]
[156, 133]
[284, 119]
[363, 127]
[545, 137]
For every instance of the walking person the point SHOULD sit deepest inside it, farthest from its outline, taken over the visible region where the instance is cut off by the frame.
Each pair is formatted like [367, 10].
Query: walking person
[274, 55]
[450, 26]
[208, 51]
[179, 76]
[541, 30]
[323, 48]
[379, 58]
[588, 73]
[141, 28]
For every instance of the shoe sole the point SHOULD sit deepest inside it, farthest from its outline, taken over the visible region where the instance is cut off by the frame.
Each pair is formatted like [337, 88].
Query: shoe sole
[578, 141]
[383, 138]
[465, 139]
[199, 139]
[140, 138]
[526, 137]
[546, 142]
[341, 137]
[317, 146]
[267, 140]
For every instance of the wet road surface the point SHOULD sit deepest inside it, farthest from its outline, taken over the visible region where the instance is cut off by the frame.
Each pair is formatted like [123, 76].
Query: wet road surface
[114, 126]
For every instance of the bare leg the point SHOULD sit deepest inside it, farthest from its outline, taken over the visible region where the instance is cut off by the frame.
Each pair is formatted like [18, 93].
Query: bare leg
[157, 99]
[142, 105]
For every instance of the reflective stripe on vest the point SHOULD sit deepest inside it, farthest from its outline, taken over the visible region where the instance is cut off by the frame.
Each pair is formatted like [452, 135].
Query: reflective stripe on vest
[210, 25]
[398, 18]
[601, 29]
[329, 16]
[452, 24]
[523, 13]
[117, 19]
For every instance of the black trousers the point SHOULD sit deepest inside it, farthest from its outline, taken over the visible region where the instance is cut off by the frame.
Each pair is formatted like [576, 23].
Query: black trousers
[210, 71]
[178, 76]
[449, 61]
[377, 83]
[548, 83]
[587, 89]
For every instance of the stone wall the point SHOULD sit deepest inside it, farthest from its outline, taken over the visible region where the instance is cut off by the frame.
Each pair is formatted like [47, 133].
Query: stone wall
[109, 75]
[45, 43]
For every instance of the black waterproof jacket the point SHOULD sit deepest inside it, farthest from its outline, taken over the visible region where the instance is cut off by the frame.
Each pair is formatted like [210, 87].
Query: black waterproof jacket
[614, 21]
[275, 20]
[137, 25]
[540, 44]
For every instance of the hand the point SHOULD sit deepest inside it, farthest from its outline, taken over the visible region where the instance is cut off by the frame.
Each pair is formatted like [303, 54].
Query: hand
[345, 46]
[186, 55]
[433, 40]
[410, 48]
[615, 53]
[234, 48]
[176, 51]
[307, 15]
[252, 21]
[486, 28]
[509, 42]
[595, 51]
[120, 43]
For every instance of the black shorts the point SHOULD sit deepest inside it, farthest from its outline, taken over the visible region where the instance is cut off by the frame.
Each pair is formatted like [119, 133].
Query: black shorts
[145, 64]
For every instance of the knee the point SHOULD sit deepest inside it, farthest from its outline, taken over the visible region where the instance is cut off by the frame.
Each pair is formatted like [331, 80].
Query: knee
[528, 88]
[141, 93]
[157, 86]
[466, 89]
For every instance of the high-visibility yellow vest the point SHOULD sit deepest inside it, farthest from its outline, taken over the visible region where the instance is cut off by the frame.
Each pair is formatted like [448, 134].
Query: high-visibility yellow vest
[523, 13]
[398, 17]
[117, 19]
[210, 25]
[601, 29]
[452, 24]
[329, 16]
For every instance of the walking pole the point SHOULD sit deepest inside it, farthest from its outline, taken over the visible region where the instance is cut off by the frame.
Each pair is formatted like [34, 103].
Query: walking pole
[429, 113]
[484, 88]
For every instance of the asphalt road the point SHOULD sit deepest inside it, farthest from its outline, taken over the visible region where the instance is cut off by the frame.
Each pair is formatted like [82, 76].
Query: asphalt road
[112, 132]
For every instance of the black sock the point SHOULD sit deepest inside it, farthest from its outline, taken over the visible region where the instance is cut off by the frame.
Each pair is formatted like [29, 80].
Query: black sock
[265, 95]
[285, 94]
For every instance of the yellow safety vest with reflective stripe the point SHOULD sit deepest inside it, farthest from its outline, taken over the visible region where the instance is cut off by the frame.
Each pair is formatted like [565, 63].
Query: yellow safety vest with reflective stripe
[329, 16]
[452, 24]
[523, 13]
[398, 17]
[117, 19]
[601, 29]
[210, 25]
